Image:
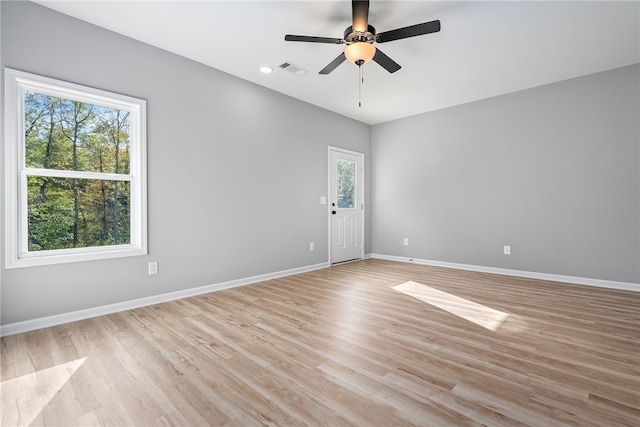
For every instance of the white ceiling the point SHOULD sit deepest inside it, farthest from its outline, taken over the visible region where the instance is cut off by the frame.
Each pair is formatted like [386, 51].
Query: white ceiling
[484, 48]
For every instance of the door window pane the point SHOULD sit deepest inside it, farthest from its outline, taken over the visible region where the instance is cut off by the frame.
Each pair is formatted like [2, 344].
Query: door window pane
[346, 184]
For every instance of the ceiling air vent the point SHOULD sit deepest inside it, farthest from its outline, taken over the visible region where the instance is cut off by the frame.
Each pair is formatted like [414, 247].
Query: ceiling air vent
[293, 69]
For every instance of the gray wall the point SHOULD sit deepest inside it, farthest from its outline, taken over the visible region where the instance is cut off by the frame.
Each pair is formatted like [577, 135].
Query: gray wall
[552, 171]
[235, 171]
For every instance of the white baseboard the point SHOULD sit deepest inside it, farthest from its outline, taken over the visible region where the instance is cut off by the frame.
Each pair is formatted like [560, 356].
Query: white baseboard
[59, 319]
[624, 286]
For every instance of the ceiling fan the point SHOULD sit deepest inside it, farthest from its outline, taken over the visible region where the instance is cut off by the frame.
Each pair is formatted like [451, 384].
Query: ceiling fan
[360, 37]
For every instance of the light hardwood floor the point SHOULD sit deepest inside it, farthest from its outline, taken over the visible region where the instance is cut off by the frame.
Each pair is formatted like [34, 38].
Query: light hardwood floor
[341, 346]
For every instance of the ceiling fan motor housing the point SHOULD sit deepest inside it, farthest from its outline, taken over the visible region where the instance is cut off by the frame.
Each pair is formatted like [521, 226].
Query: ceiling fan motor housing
[351, 36]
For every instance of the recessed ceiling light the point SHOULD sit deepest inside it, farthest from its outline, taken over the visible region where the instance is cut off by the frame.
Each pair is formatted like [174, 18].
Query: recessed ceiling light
[266, 70]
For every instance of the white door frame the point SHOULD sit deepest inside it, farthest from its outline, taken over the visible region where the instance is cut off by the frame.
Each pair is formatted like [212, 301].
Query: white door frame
[332, 148]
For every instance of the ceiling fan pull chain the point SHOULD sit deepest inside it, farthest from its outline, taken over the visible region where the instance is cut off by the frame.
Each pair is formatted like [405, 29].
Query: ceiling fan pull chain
[360, 80]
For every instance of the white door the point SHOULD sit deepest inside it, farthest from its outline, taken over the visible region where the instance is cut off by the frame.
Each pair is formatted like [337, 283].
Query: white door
[346, 208]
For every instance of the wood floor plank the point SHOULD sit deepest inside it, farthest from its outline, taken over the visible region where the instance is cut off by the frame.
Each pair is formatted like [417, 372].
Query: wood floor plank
[341, 346]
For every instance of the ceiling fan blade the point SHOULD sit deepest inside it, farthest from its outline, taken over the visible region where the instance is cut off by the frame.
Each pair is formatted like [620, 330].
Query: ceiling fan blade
[385, 62]
[333, 64]
[360, 9]
[312, 39]
[411, 31]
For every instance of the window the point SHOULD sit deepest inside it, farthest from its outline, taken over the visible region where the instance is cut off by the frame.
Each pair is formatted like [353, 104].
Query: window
[75, 165]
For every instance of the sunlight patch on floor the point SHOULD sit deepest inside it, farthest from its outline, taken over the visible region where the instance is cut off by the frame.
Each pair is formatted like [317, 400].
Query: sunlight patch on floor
[479, 314]
[23, 398]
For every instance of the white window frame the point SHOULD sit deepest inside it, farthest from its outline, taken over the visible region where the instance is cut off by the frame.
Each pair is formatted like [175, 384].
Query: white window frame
[16, 83]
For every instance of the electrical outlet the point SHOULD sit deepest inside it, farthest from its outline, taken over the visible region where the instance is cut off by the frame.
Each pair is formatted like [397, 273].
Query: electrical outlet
[312, 246]
[153, 267]
[406, 241]
[507, 250]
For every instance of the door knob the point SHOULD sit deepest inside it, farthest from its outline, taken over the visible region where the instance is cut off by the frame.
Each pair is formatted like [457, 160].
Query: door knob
[333, 212]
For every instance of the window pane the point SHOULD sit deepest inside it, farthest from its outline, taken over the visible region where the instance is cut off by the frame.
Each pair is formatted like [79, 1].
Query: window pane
[69, 135]
[346, 184]
[76, 213]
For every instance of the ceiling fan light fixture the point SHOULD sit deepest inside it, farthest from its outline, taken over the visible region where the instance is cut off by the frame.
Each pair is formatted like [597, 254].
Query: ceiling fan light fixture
[360, 51]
